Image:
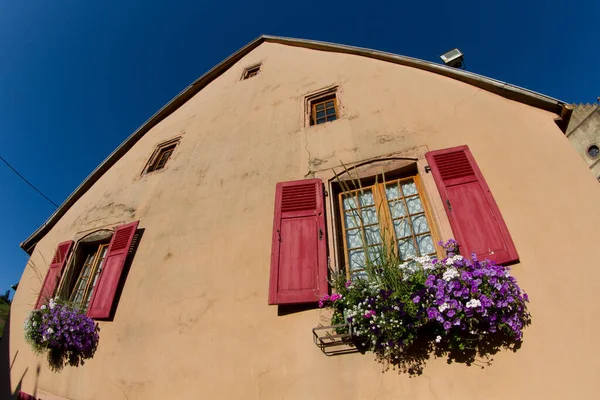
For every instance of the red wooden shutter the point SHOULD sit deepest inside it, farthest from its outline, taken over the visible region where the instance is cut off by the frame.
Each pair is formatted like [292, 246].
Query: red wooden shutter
[473, 213]
[299, 251]
[108, 281]
[54, 272]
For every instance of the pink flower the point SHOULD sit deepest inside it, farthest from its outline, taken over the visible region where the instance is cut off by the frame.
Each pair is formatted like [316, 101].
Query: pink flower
[335, 297]
[370, 313]
[348, 284]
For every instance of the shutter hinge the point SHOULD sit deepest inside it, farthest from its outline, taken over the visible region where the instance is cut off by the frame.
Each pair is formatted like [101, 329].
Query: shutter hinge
[449, 205]
[427, 169]
[325, 193]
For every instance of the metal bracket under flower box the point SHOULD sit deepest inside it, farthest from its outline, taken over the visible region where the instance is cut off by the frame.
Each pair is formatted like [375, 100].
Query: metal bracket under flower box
[332, 342]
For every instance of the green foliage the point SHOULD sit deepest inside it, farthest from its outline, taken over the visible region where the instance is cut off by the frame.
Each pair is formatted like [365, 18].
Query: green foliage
[4, 309]
[379, 306]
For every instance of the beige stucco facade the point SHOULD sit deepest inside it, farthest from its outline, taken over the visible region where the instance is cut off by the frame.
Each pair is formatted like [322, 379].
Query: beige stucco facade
[193, 321]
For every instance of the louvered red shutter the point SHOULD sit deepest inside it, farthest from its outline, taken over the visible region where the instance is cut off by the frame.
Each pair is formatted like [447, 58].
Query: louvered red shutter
[474, 216]
[299, 250]
[110, 275]
[54, 273]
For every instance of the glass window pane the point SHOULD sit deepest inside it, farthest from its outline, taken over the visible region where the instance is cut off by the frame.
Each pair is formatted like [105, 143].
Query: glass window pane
[329, 104]
[397, 209]
[375, 254]
[321, 121]
[369, 216]
[320, 107]
[419, 224]
[372, 234]
[95, 279]
[354, 239]
[78, 296]
[349, 202]
[80, 285]
[409, 188]
[402, 228]
[89, 297]
[351, 219]
[392, 191]
[407, 248]
[331, 118]
[89, 258]
[425, 244]
[331, 111]
[103, 251]
[357, 259]
[366, 197]
[414, 205]
[359, 275]
[320, 114]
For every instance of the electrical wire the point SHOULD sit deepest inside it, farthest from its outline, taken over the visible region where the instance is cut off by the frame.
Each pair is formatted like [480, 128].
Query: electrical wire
[27, 182]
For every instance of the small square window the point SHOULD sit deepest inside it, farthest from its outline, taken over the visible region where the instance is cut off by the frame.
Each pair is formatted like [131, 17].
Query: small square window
[251, 71]
[161, 156]
[323, 109]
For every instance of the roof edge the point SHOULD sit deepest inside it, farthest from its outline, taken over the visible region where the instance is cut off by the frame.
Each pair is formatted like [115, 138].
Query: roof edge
[503, 89]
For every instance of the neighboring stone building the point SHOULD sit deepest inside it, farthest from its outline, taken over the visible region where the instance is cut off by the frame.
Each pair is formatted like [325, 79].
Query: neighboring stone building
[178, 227]
[584, 133]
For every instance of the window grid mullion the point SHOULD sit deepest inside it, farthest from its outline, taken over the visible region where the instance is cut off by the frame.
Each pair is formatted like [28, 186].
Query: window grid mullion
[386, 222]
[362, 222]
[412, 230]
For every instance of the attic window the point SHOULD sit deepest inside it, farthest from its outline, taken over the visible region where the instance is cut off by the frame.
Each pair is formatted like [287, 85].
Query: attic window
[324, 110]
[161, 155]
[322, 107]
[251, 71]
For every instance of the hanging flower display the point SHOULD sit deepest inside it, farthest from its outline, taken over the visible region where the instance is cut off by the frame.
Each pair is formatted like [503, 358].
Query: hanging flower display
[403, 310]
[66, 334]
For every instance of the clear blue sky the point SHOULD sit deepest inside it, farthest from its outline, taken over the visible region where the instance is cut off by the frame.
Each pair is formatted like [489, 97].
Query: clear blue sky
[77, 77]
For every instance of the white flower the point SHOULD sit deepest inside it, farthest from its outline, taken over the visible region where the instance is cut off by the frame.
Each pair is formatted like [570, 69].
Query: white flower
[453, 259]
[34, 324]
[443, 307]
[506, 273]
[52, 304]
[425, 262]
[50, 331]
[449, 274]
[473, 303]
[43, 307]
[438, 339]
[44, 338]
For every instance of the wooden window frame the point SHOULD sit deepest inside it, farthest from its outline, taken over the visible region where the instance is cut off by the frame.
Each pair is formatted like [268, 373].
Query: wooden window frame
[323, 100]
[95, 264]
[384, 217]
[159, 151]
[311, 101]
[251, 71]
